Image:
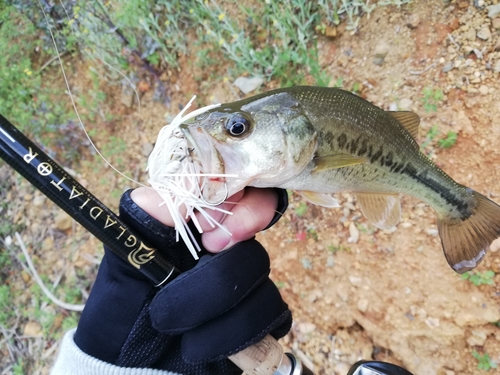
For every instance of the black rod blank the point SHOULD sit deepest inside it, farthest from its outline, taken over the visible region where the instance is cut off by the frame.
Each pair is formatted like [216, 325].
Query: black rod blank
[53, 181]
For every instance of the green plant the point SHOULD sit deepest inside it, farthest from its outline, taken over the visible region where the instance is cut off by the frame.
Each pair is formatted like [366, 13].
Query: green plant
[478, 278]
[312, 233]
[301, 210]
[334, 249]
[339, 82]
[352, 10]
[431, 98]
[275, 41]
[484, 361]
[27, 98]
[6, 312]
[449, 141]
[70, 321]
[114, 150]
[279, 284]
[368, 229]
[356, 87]
[18, 368]
[431, 134]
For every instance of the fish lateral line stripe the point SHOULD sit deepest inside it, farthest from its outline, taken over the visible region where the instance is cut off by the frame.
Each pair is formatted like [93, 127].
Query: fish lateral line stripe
[435, 186]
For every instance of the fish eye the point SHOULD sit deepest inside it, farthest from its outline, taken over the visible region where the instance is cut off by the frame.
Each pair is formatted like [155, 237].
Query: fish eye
[237, 125]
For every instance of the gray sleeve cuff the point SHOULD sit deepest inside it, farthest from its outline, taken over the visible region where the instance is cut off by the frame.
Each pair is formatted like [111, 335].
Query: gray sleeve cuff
[72, 361]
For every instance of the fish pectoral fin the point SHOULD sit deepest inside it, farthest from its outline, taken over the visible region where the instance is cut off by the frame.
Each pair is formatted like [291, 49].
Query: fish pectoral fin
[319, 199]
[409, 120]
[328, 162]
[381, 210]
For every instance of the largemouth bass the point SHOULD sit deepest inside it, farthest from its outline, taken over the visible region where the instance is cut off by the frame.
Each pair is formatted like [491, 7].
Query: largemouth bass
[319, 141]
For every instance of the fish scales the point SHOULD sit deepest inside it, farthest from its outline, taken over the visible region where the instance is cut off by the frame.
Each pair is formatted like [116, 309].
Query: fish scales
[319, 141]
[347, 123]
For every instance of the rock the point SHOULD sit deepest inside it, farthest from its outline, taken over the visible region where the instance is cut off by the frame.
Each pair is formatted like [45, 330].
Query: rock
[343, 293]
[71, 172]
[405, 104]
[454, 24]
[464, 123]
[363, 305]
[349, 206]
[39, 200]
[331, 31]
[32, 328]
[413, 21]
[432, 322]
[477, 337]
[127, 96]
[496, 68]
[495, 245]
[447, 67]
[48, 244]
[477, 315]
[381, 51]
[470, 35]
[484, 33]
[63, 221]
[147, 148]
[356, 281]
[305, 327]
[432, 232]
[483, 90]
[247, 85]
[354, 233]
[25, 276]
[493, 10]
[341, 368]
[463, 4]
[496, 23]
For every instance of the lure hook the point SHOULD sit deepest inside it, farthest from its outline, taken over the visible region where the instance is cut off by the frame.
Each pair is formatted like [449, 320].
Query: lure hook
[226, 195]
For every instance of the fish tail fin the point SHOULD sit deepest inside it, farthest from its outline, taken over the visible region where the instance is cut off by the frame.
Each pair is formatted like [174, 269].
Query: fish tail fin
[465, 241]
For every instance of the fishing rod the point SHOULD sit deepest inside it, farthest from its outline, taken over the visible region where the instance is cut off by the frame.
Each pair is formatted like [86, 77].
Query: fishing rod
[264, 358]
[53, 181]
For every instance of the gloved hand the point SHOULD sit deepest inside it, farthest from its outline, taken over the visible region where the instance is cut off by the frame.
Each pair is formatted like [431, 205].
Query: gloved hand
[217, 307]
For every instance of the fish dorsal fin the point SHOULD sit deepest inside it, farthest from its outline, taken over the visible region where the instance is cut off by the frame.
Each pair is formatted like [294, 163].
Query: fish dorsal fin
[409, 120]
[319, 199]
[328, 162]
[381, 210]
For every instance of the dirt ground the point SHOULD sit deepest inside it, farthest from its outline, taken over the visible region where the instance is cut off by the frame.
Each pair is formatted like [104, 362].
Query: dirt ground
[356, 292]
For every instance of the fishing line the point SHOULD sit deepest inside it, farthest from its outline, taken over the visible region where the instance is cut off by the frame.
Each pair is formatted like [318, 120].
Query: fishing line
[72, 99]
[173, 174]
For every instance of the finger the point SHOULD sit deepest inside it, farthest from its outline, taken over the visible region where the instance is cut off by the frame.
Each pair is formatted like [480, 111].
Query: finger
[151, 202]
[252, 214]
[217, 215]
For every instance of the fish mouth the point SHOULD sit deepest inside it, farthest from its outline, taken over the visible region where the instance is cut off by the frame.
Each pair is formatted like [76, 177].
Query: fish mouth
[212, 187]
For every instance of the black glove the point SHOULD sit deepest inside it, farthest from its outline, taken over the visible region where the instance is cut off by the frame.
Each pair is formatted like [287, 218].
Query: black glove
[221, 306]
